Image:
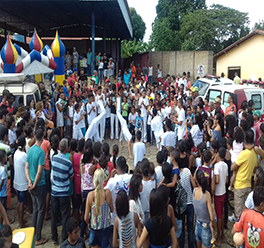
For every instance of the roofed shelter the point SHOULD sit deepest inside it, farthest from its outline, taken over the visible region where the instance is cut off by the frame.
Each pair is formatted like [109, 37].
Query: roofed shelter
[244, 56]
[108, 19]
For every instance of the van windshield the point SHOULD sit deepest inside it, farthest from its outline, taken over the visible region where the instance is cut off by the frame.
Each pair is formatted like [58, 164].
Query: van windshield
[202, 86]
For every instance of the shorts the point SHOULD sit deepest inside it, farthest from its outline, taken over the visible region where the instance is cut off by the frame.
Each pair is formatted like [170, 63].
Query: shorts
[3, 200]
[107, 123]
[69, 122]
[105, 72]
[203, 233]
[179, 227]
[99, 237]
[47, 181]
[77, 133]
[21, 196]
[77, 201]
[240, 196]
[219, 202]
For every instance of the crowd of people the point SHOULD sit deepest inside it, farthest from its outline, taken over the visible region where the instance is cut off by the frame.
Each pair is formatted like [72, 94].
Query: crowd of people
[203, 149]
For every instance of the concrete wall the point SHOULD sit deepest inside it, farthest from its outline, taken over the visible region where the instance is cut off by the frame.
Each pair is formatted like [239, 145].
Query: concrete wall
[177, 62]
[174, 62]
[248, 55]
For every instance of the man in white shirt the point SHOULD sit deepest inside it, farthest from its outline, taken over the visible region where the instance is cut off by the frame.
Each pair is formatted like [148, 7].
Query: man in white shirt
[101, 98]
[168, 138]
[150, 73]
[180, 120]
[121, 180]
[139, 149]
[143, 104]
[183, 81]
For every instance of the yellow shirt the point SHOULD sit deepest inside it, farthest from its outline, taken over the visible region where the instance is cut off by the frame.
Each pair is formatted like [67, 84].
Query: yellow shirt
[237, 80]
[149, 97]
[247, 161]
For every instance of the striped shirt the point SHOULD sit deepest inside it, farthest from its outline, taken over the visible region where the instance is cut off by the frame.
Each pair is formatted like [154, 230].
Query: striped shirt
[61, 172]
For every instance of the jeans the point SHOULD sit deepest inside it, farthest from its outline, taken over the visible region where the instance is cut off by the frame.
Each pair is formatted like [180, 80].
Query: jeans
[99, 237]
[89, 70]
[150, 79]
[190, 215]
[149, 134]
[114, 125]
[38, 196]
[101, 75]
[59, 204]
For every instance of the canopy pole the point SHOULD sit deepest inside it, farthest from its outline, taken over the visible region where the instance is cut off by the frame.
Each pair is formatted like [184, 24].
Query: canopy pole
[93, 42]
[119, 53]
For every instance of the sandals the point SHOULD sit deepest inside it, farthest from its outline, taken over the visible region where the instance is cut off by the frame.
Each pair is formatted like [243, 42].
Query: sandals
[41, 242]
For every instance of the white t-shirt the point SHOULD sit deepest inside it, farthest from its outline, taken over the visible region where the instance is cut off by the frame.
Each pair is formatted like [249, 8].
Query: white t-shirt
[146, 103]
[198, 162]
[168, 139]
[159, 174]
[115, 184]
[20, 179]
[184, 82]
[150, 71]
[150, 116]
[181, 128]
[139, 152]
[71, 111]
[197, 135]
[221, 169]
[11, 136]
[107, 109]
[76, 117]
[132, 118]
[82, 122]
[144, 195]
[93, 113]
[101, 100]
[159, 73]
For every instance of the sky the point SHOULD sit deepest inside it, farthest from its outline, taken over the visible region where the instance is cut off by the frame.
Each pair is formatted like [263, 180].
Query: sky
[147, 10]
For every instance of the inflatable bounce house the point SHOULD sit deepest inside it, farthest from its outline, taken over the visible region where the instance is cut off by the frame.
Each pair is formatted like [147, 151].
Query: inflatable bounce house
[15, 59]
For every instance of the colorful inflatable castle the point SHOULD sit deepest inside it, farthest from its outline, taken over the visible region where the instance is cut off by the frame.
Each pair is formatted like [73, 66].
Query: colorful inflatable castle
[15, 59]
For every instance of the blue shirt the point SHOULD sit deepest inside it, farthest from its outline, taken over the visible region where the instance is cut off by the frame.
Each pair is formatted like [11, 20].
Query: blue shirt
[139, 122]
[89, 58]
[65, 91]
[126, 79]
[36, 157]
[61, 172]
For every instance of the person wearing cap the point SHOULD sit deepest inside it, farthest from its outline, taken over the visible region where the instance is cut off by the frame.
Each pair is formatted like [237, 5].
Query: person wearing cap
[232, 106]
[257, 118]
[75, 58]
[95, 77]
[217, 105]
[70, 78]
[195, 93]
[74, 76]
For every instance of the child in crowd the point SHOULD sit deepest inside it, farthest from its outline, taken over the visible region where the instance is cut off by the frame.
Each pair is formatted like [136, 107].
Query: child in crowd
[139, 121]
[152, 173]
[70, 114]
[77, 132]
[91, 109]
[150, 117]
[189, 118]
[158, 169]
[251, 222]
[139, 149]
[200, 148]
[124, 108]
[73, 231]
[6, 233]
[132, 122]
[114, 158]
[221, 178]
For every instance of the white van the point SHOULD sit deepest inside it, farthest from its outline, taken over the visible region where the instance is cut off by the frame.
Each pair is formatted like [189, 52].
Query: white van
[240, 92]
[203, 84]
[23, 90]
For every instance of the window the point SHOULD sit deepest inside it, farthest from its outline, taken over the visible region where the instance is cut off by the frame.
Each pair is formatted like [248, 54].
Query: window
[226, 95]
[29, 98]
[202, 86]
[257, 101]
[214, 94]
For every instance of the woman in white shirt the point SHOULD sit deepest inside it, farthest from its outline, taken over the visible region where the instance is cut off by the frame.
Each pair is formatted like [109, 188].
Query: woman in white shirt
[32, 109]
[197, 129]
[20, 179]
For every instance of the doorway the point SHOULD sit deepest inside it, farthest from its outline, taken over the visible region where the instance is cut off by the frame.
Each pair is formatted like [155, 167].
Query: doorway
[232, 70]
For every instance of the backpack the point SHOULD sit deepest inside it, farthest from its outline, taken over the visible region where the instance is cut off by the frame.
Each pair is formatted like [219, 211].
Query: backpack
[180, 200]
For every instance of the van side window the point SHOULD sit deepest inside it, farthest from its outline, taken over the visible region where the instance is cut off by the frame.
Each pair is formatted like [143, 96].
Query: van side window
[226, 95]
[213, 94]
[257, 101]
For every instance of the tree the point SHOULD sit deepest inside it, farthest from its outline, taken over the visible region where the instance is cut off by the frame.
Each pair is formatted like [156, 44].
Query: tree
[212, 29]
[169, 15]
[259, 25]
[128, 48]
[139, 26]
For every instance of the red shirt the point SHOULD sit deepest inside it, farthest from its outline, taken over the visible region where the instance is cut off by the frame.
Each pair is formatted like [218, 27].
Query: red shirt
[70, 83]
[166, 85]
[107, 171]
[251, 223]
[45, 147]
[230, 108]
[76, 169]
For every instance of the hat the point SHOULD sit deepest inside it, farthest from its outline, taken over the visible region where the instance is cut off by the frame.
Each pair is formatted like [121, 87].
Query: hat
[257, 113]
[217, 100]
[107, 80]
[74, 69]
[194, 89]
[70, 71]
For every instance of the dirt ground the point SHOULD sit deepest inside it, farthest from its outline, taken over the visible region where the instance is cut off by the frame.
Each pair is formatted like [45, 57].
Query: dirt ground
[151, 152]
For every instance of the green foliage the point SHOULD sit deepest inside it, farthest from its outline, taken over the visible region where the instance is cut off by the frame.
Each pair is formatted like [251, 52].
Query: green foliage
[212, 29]
[139, 26]
[128, 48]
[259, 25]
[168, 22]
